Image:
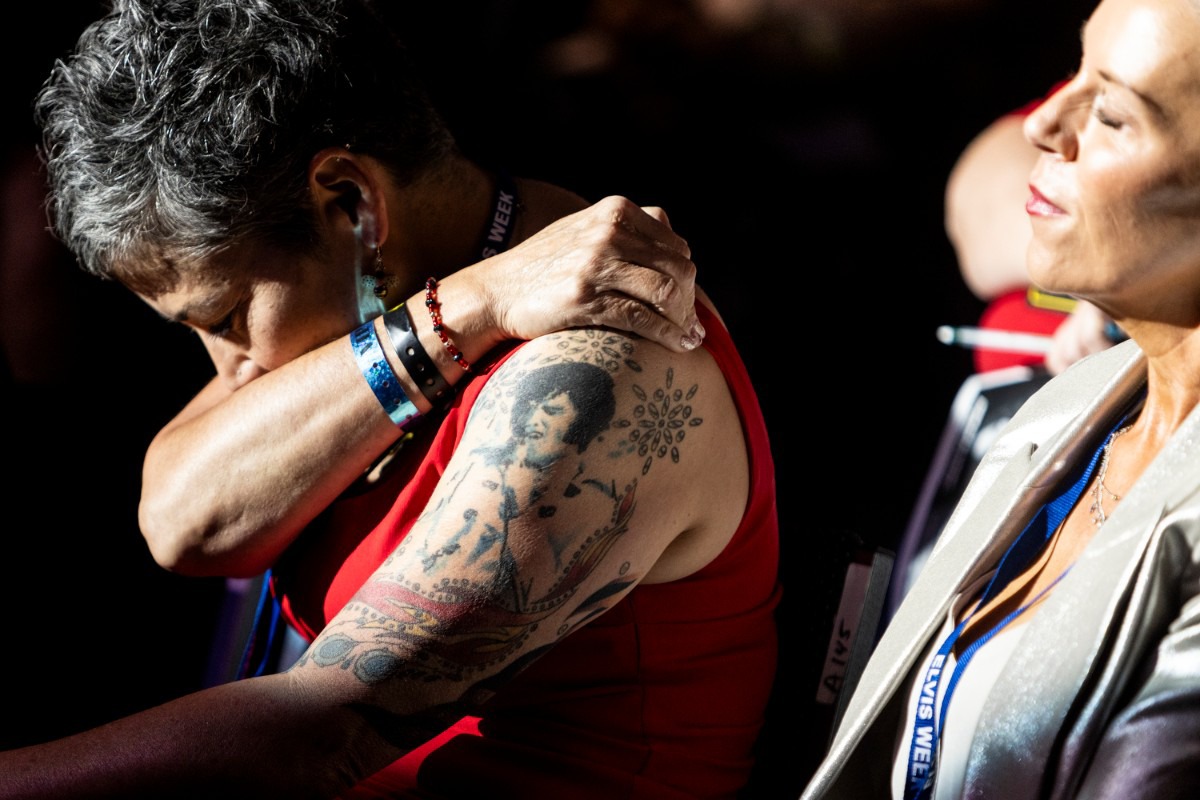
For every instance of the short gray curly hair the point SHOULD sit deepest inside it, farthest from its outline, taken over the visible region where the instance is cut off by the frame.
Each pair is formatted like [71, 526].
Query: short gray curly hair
[177, 127]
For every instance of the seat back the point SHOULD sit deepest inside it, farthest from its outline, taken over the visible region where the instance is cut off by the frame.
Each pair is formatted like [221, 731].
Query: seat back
[983, 405]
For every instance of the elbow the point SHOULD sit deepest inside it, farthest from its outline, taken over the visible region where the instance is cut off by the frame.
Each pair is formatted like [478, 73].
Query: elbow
[195, 539]
[194, 549]
[172, 545]
[167, 524]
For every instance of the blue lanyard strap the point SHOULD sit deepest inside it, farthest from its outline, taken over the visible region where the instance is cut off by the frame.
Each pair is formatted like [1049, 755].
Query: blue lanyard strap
[928, 726]
[265, 634]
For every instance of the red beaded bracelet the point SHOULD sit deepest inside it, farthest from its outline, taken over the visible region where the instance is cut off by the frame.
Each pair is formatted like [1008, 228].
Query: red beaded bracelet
[435, 313]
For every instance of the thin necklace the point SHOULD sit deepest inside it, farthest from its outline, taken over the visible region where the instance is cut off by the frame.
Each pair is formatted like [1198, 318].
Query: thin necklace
[1097, 509]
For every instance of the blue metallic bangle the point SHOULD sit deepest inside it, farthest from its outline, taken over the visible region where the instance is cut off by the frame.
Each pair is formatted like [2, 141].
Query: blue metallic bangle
[380, 377]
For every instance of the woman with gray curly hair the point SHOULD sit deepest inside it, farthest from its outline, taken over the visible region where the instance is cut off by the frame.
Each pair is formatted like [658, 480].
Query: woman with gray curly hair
[518, 564]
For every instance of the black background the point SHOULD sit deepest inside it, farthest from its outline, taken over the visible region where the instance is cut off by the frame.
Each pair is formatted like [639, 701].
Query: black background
[803, 159]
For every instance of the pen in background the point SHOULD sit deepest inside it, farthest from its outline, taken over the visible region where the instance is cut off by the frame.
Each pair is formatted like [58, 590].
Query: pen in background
[990, 339]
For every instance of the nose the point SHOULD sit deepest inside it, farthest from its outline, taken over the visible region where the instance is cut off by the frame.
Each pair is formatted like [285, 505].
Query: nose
[235, 366]
[1051, 127]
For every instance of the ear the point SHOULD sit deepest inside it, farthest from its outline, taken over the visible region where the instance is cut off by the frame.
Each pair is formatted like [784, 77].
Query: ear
[348, 194]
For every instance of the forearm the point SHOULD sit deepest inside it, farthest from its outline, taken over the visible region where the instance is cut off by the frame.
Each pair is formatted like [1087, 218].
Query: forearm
[259, 738]
[231, 482]
[227, 485]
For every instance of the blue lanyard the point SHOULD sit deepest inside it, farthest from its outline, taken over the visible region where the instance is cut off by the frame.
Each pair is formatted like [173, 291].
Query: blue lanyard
[266, 634]
[927, 726]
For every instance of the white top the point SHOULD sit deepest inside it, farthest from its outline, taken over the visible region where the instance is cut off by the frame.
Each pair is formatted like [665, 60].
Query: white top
[966, 705]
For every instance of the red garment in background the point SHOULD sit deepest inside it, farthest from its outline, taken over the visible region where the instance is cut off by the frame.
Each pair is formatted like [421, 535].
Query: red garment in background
[661, 697]
[1014, 312]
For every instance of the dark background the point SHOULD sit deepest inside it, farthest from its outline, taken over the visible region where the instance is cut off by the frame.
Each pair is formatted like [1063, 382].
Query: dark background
[800, 147]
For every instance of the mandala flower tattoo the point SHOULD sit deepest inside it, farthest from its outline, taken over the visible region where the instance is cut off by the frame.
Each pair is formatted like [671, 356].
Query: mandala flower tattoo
[607, 350]
[660, 421]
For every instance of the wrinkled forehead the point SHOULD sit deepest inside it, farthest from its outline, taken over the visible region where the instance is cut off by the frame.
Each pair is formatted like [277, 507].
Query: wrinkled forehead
[196, 297]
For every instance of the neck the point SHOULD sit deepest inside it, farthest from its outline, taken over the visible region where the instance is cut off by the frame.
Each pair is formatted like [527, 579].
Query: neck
[436, 222]
[1173, 374]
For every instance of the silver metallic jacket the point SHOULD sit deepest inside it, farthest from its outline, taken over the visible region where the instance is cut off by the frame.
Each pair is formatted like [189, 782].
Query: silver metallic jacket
[1102, 697]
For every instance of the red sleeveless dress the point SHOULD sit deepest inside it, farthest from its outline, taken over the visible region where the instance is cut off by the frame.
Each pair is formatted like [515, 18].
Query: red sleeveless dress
[661, 697]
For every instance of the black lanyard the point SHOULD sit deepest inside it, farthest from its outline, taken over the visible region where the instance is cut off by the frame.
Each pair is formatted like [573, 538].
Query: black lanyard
[498, 230]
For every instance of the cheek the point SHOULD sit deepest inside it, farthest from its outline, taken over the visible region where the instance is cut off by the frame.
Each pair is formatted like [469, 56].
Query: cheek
[1175, 200]
[298, 322]
[1131, 203]
[1109, 183]
[274, 344]
[1161, 182]
[1165, 219]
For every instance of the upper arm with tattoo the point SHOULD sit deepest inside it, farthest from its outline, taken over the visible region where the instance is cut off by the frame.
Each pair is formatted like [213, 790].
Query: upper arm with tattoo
[586, 456]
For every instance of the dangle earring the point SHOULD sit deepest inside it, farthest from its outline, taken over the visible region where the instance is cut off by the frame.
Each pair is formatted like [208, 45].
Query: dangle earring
[383, 280]
[379, 280]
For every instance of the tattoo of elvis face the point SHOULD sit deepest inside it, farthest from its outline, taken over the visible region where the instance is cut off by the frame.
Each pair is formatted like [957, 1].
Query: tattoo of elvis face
[569, 402]
[556, 411]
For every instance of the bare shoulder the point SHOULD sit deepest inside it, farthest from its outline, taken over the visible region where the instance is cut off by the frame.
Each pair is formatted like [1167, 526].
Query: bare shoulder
[640, 415]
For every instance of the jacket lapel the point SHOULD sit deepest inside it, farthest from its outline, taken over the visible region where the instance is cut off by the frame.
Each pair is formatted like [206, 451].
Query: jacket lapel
[1077, 654]
[1041, 441]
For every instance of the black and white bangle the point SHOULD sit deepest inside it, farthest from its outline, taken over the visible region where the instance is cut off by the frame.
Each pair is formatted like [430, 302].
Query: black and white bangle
[415, 359]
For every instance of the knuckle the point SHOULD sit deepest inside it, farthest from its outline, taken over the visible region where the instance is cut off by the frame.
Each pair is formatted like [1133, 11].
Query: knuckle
[689, 270]
[639, 316]
[616, 209]
[667, 293]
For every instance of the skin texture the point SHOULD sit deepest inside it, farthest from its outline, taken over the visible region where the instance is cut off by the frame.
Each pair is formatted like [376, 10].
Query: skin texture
[1114, 216]
[545, 518]
[1121, 163]
[583, 469]
[985, 208]
[989, 228]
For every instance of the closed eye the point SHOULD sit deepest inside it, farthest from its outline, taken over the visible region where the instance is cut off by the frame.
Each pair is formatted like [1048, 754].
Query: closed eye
[1104, 119]
[1099, 109]
[222, 327]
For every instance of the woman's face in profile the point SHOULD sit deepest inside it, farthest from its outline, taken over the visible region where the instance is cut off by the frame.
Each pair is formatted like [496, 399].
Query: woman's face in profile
[257, 308]
[1115, 195]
